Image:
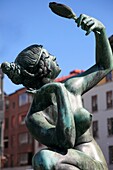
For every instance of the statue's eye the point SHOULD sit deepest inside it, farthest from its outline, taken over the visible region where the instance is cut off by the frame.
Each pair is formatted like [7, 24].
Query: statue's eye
[46, 57]
[54, 58]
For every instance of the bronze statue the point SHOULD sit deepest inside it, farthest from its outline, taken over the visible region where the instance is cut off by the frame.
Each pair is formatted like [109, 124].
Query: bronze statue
[70, 145]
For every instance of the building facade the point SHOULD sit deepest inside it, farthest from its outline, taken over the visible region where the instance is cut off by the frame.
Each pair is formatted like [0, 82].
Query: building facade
[18, 143]
[99, 101]
[1, 116]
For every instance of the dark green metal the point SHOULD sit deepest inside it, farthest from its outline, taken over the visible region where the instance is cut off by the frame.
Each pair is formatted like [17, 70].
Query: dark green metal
[70, 145]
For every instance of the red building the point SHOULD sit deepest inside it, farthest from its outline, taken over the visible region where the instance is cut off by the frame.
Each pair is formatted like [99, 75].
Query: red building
[18, 143]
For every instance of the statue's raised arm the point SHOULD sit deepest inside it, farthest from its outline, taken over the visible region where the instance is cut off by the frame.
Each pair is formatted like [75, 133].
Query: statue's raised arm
[70, 145]
[103, 55]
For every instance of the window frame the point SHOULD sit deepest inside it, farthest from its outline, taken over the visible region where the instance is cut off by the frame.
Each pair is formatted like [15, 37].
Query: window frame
[94, 100]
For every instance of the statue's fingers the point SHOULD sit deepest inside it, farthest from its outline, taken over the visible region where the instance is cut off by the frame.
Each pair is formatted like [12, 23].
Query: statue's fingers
[90, 23]
[86, 20]
[87, 24]
[80, 20]
[90, 29]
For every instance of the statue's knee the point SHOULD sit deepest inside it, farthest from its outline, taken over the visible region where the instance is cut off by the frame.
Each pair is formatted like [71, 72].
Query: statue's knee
[41, 160]
[64, 166]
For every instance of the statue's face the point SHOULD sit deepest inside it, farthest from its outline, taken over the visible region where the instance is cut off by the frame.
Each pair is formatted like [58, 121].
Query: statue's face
[52, 65]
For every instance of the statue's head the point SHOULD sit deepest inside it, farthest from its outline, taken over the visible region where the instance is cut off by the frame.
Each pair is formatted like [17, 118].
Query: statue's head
[33, 67]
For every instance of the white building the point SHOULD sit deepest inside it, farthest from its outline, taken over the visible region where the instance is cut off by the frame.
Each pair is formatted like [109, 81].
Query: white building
[99, 101]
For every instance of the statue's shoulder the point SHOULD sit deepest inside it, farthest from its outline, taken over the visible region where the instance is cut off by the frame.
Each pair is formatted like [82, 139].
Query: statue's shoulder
[74, 84]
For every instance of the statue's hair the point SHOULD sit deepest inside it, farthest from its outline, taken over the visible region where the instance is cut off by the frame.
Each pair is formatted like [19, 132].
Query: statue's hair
[13, 71]
[29, 68]
[32, 60]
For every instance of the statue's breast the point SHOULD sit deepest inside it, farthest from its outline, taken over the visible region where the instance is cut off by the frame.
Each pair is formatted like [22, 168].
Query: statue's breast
[83, 121]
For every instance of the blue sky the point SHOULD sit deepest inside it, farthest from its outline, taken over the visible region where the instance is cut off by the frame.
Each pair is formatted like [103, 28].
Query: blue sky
[26, 22]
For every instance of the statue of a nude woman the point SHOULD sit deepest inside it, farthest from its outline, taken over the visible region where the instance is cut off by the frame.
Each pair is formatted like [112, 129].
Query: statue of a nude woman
[70, 145]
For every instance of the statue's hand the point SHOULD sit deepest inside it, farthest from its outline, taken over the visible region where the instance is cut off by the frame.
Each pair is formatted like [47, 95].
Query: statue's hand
[89, 24]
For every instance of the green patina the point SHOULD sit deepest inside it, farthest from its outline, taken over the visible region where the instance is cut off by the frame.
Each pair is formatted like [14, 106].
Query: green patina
[70, 145]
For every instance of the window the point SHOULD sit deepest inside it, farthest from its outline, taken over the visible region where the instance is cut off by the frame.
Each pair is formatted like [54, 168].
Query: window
[30, 98]
[109, 99]
[23, 159]
[26, 158]
[111, 154]
[110, 126]
[1, 105]
[109, 77]
[6, 123]
[23, 138]
[95, 129]
[94, 103]
[23, 99]
[7, 104]
[6, 142]
[22, 119]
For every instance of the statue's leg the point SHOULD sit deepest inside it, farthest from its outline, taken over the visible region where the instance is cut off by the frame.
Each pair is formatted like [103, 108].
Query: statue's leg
[44, 160]
[79, 160]
[72, 160]
[48, 160]
[66, 167]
